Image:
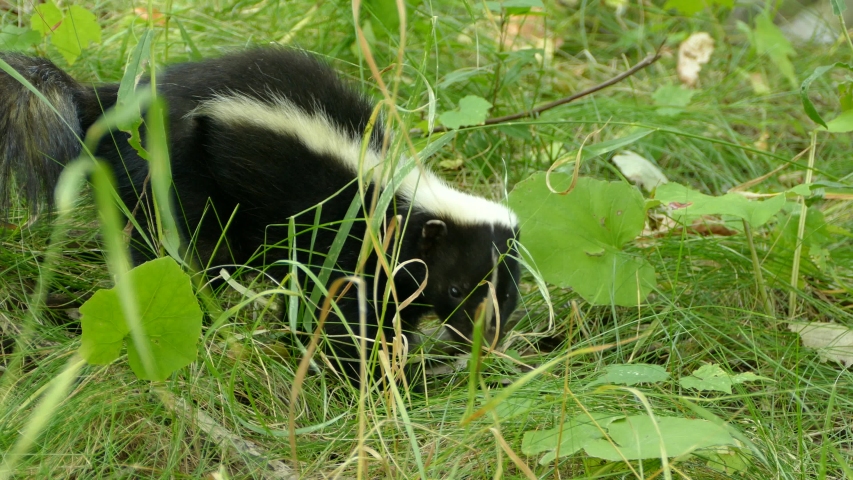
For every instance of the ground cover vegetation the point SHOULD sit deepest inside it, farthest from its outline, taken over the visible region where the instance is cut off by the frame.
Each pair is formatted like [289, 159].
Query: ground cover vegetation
[686, 306]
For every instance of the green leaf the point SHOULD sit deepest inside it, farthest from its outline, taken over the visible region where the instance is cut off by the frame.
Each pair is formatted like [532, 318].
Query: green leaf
[575, 434]
[713, 378]
[685, 7]
[769, 40]
[576, 240]
[14, 38]
[842, 123]
[76, 31]
[808, 106]
[133, 72]
[729, 463]
[515, 7]
[472, 110]
[686, 204]
[195, 55]
[692, 7]
[385, 12]
[838, 6]
[637, 438]
[607, 146]
[521, 7]
[104, 328]
[169, 314]
[46, 18]
[816, 237]
[672, 99]
[706, 414]
[845, 96]
[631, 374]
[803, 189]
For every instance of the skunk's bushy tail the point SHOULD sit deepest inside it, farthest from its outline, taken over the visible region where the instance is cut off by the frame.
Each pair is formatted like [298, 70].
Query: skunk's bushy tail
[36, 138]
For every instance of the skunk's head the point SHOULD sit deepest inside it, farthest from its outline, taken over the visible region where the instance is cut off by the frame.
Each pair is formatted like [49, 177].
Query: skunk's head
[472, 271]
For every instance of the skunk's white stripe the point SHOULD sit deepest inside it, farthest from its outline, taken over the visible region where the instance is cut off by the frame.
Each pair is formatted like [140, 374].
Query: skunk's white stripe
[319, 134]
[425, 190]
[315, 130]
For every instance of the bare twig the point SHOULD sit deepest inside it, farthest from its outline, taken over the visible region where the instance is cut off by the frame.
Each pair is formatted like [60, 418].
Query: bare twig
[650, 59]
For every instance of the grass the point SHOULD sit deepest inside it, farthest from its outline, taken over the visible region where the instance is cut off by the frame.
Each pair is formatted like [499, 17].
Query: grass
[705, 309]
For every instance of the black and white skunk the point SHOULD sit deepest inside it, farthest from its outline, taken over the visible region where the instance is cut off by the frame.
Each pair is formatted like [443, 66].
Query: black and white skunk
[259, 137]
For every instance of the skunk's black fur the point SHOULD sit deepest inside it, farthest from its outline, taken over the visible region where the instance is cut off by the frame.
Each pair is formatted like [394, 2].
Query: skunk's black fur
[263, 135]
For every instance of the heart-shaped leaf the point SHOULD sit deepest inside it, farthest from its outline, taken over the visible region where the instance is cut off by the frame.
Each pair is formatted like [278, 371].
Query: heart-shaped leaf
[576, 240]
[169, 315]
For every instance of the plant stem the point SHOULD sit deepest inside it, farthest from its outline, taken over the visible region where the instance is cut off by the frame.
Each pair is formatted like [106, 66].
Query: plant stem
[795, 268]
[769, 309]
[844, 30]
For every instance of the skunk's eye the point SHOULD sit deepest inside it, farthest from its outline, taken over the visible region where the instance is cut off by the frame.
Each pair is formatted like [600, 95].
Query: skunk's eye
[454, 292]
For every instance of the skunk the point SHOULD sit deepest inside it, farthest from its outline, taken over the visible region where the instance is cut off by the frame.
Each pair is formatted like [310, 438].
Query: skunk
[261, 138]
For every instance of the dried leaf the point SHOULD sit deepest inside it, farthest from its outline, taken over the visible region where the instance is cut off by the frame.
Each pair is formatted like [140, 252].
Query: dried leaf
[831, 340]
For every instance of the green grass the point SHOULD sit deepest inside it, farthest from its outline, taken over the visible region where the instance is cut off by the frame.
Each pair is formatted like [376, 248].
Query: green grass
[705, 309]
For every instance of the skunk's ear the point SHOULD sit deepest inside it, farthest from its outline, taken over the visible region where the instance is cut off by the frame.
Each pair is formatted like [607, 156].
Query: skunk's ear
[432, 232]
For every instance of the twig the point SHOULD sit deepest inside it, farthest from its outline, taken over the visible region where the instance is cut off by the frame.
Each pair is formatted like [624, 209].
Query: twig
[650, 59]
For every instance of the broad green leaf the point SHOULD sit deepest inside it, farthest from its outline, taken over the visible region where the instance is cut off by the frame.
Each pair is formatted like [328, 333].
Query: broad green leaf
[838, 6]
[803, 189]
[816, 237]
[729, 463]
[576, 240]
[13, 38]
[515, 7]
[576, 433]
[472, 110]
[845, 96]
[714, 378]
[385, 12]
[77, 30]
[631, 374]
[842, 123]
[104, 328]
[672, 99]
[769, 40]
[169, 314]
[686, 204]
[46, 18]
[692, 7]
[637, 438]
[708, 415]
